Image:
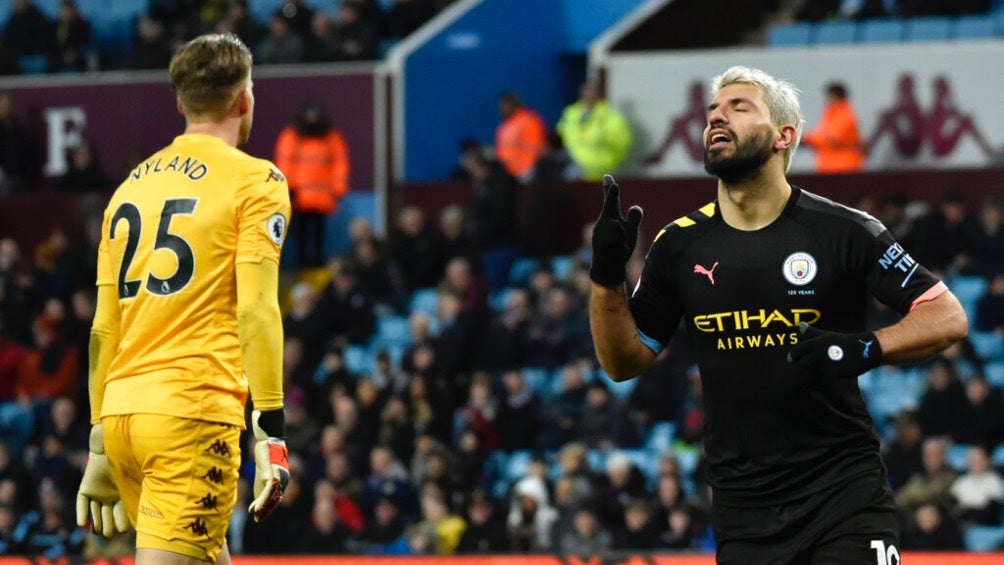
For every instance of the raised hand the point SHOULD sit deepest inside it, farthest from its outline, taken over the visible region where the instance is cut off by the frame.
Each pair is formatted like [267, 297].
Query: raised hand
[614, 237]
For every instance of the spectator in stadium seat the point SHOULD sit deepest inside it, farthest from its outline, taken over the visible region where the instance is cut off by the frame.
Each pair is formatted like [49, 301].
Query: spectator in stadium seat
[902, 455]
[49, 370]
[387, 525]
[520, 138]
[605, 422]
[531, 517]
[943, 409]
[16, 416]
[988, 238]
[72, 39]
[19, 157]
[494, 216]
[640, 532]
[504, 345]
[623, 482]
[84, 172]
[485, 533]
[597, 136]
[679, 531]
[297, 16]
[460, 277]
[281, 45]
[560, 414]
[990, 306]
[344, 307]
[558, 334]
[354, 37]
[480, 413]
[836, 138]
[303, 320]
[933, 485]
[979, 492]
[943, 239]
[414, 247]
[285, 535]
[52, 535]
[301, 430]
[238, 21]
[387, 476]
[519, 409]
[588, 536]
[151, 50]
[326, 533]
[986, 413]
[448, 526]
[28, 31]
[931, 529]
[457, 238]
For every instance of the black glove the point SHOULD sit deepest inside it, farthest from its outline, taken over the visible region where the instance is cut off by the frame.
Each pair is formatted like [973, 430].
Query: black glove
[614, 237]
[829, 356]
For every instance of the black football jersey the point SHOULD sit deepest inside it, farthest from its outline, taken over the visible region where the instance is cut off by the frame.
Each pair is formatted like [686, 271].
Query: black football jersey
[770, 435]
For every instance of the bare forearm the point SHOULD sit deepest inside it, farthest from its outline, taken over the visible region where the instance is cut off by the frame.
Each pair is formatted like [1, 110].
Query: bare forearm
[926, 330]
[615, 335]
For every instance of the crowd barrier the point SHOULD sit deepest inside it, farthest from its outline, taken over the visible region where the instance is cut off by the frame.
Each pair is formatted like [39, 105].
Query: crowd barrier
[908, 558]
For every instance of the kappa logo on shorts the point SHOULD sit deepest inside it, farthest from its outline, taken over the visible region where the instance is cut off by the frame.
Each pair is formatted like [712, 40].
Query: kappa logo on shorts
[215, 475]
[219, 447]
[198, 527]
[208, 502]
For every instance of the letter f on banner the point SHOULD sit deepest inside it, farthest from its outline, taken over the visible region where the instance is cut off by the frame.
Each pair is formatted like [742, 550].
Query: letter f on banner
[64, 127]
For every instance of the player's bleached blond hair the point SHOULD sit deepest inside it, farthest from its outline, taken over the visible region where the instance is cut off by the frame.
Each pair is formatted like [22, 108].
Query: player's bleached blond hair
[208, 73]
[780, 96]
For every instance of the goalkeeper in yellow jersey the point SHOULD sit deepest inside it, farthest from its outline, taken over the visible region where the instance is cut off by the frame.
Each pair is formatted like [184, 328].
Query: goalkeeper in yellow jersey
[187, 322]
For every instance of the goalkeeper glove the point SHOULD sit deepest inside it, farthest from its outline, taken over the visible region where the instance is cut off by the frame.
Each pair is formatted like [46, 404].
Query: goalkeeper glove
[614, 237]
[271, 467]
[831, 355]
[98, 493]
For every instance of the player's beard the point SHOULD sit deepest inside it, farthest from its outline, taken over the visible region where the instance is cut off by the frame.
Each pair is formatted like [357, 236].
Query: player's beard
[745, 161]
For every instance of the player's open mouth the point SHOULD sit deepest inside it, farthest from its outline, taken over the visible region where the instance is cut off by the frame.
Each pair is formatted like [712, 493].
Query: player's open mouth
[718, 139]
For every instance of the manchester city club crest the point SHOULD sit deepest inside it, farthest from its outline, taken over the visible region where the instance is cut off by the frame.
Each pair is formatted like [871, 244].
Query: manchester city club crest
[799, 268]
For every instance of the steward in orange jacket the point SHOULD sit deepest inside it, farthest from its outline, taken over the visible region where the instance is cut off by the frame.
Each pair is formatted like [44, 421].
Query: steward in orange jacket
[520, 138]
[315, 160]
[836, 139]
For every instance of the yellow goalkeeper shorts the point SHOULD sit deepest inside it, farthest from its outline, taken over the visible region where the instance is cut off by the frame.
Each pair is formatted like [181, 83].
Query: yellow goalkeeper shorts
[177, 478]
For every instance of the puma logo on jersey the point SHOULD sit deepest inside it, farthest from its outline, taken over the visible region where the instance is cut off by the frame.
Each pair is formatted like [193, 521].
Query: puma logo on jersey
[710, 273]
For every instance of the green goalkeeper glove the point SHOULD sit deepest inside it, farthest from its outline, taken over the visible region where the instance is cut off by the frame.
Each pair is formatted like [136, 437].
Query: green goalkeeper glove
[98, 493]
[271, 466]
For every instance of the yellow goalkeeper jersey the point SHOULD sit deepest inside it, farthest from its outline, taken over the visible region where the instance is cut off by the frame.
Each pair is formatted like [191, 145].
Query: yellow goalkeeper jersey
[173, 233]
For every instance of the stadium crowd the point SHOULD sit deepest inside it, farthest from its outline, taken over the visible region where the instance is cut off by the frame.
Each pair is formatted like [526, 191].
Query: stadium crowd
[429, 413]
[83, 37]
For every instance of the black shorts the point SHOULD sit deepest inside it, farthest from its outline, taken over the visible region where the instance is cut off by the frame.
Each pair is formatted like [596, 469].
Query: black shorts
[855, 524]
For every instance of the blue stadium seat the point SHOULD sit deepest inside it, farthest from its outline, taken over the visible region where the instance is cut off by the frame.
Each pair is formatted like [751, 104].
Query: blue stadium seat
[424, 300]
[983, 538]
[660, 437]
[975, 27]
[997, 456]
[882, 30]
[929, 29]
[958, 456]
[797, 34]
[646, 462]
[520, 270]
[968, 289]
[497, 299]
[516, 466]
[995, 373]
[393, 330]
[622, 390]
[33, 64]
[358, 359]
[837, 32]
[562, 265]
[988, 345]
[538, 380]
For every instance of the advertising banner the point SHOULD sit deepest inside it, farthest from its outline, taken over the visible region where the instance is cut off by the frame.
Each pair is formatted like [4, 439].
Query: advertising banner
[127, 116]
[926, 105]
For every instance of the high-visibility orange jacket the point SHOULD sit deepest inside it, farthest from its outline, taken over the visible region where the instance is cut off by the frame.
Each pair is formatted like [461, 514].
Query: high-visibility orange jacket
[316, 169]
[520, 140]
[837, 141]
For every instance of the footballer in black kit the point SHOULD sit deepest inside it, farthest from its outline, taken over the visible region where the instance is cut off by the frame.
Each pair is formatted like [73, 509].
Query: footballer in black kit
[772, 283]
